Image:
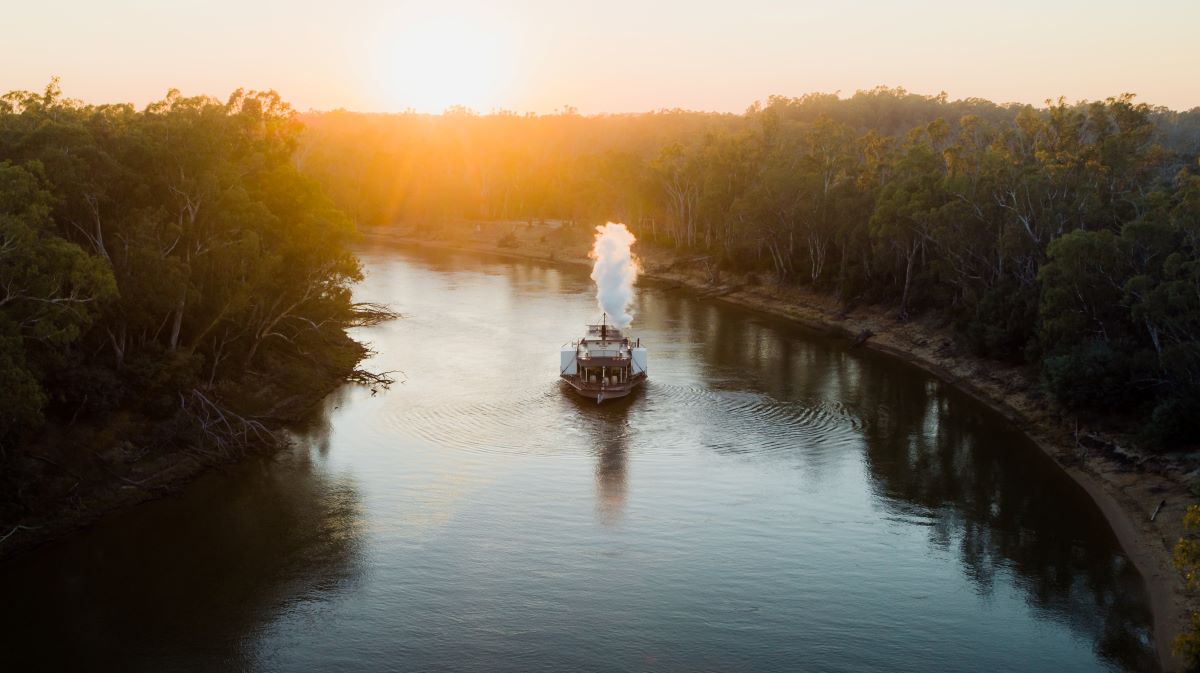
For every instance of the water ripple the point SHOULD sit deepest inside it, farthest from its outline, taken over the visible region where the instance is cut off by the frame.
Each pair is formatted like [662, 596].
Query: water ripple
[730, 421]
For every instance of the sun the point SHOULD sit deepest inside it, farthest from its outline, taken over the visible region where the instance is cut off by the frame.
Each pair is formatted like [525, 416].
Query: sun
[431, 64]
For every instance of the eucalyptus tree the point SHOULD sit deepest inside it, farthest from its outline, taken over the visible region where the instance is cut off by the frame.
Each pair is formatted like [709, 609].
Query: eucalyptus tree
[150, 255]
[51, 291]
[911, 204]
[678, 174]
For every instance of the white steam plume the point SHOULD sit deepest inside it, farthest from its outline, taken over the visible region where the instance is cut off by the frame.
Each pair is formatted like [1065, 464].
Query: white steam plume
[615, 271]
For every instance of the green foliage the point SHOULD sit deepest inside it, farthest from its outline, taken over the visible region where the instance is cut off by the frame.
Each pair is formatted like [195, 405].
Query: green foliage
[1187, 561]
[1082, 283]
[1003, 324]
[1174, 420]
[145, 253]
[1092, 376]
[1121, 316]
[86, 389]
[49, 287]
[1066, 237]
[50, 292]
[21, 396]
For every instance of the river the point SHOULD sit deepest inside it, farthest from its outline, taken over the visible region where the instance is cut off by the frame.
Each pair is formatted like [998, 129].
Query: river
[770, 501]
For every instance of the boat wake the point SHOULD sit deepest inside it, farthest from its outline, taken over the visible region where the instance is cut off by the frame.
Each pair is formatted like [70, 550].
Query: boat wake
[671, 419]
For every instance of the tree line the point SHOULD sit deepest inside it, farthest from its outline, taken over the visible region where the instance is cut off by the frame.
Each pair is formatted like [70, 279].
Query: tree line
[151, 259]
[1066, 237]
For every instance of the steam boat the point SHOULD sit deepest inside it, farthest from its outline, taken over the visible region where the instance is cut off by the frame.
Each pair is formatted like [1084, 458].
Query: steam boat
[604, 364]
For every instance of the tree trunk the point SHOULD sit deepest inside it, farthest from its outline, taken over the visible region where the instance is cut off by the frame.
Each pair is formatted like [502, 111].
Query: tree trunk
[841, 281]
[177, 324]
[118, 344]
[908, 269]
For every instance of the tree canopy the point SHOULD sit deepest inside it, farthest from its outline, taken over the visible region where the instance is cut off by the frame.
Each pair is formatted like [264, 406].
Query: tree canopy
[1062, 236]
[149, 256]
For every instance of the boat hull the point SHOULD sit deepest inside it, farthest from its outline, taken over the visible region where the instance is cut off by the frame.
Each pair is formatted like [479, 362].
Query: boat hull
[608, 391]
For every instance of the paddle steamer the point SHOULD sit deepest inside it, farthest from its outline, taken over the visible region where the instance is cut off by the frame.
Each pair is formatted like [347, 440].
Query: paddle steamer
[604, 364]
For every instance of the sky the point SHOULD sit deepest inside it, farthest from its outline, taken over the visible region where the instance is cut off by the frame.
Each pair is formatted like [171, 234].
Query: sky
[602, 57]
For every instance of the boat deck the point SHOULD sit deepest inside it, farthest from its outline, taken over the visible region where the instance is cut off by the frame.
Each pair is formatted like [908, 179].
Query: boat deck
[601, 391]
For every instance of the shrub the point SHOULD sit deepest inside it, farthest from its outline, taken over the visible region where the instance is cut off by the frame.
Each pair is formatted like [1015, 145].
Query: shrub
[1094, 377]
[1003, 323]
[1187, 561]
[1174, 420]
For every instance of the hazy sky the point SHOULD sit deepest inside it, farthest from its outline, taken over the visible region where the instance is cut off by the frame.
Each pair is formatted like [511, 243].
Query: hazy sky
[617, 56]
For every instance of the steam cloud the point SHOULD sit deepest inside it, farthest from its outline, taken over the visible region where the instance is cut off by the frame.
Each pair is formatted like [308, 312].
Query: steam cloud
[615, 271]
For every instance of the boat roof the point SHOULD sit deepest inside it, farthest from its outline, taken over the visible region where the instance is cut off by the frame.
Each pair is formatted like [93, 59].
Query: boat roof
[611, 333]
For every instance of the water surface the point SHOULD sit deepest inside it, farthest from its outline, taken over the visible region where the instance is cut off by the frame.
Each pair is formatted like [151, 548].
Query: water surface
[769, 501]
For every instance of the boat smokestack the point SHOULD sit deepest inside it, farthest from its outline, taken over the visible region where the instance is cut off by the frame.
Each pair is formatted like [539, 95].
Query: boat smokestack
[615, 271]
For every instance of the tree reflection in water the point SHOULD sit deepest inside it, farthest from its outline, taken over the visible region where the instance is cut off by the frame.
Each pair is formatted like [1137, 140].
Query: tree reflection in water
[935, 455]
[1006, 509]
[263, 558]
[197, 574]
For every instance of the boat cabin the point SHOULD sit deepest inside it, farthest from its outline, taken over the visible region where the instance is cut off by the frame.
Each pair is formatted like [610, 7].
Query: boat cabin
[604, 363]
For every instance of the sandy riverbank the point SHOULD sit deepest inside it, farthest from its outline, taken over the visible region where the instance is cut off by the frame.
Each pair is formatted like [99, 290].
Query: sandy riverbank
[1127, 485]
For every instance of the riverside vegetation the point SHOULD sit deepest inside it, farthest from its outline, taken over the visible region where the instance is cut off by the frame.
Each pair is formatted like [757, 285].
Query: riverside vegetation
[167, 278]
[1063, 239]
[1066, 237]
[170, 276]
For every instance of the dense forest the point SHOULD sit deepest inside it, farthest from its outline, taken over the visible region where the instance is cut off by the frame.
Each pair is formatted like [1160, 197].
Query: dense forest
[151, 261]
[1066, 237]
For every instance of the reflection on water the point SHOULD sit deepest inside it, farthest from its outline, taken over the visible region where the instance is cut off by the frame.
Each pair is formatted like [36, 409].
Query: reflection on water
[1003, 517]
[607, 427]
[939, 460]
[768, 501]
[195, 574]
[610, 480]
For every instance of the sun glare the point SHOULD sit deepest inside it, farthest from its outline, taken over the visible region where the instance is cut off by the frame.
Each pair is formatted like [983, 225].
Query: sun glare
[430, 65]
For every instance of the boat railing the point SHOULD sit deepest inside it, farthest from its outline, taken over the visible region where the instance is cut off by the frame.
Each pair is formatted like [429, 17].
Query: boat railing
[608, 331]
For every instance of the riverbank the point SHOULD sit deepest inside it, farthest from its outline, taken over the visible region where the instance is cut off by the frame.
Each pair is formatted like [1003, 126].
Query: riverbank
[1126, 484]
[78, 470]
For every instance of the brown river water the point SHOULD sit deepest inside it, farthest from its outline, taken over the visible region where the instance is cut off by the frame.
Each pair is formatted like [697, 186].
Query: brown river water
[770, 500]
